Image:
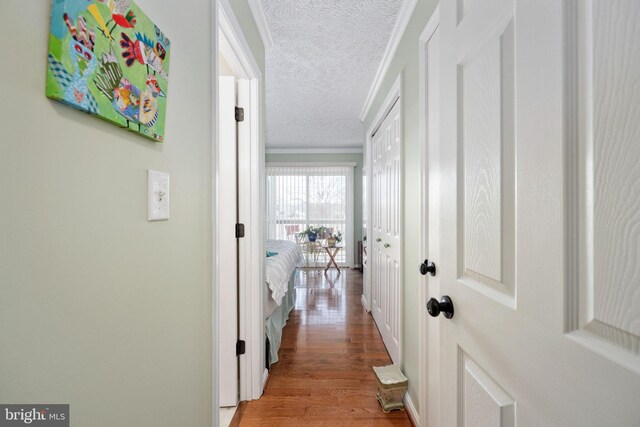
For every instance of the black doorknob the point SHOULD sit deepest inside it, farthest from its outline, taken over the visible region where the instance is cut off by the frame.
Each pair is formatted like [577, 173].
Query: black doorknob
[445, 306]
[427, 267]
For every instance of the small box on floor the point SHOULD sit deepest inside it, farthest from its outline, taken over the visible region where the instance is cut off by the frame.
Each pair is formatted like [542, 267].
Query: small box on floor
[392, 385]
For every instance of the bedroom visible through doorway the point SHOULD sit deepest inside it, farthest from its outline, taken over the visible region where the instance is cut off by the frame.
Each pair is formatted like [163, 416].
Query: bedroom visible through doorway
[319, 196]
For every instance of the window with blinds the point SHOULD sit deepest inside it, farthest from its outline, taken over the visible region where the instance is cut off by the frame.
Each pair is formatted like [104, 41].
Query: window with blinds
[298, 196]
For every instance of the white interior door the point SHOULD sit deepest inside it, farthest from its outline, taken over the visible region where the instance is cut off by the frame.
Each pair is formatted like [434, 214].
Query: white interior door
[386, 204]
[540, 213]
[227, 217]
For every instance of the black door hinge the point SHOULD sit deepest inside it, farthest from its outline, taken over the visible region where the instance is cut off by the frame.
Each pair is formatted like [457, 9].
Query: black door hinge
[239, 114]
[239, 231]
[240, 347]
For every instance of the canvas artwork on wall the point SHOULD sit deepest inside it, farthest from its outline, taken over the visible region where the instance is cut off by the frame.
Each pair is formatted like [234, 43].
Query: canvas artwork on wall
[108, 59]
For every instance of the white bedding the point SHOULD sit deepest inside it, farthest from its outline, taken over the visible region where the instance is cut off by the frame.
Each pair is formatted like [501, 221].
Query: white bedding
[280, 267]
[269, 304]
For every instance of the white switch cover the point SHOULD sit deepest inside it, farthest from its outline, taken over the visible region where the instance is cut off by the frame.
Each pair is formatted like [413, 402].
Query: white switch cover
[158, 195]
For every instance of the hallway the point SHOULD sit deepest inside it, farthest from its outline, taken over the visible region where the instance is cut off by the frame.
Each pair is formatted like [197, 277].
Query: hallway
[324, 375]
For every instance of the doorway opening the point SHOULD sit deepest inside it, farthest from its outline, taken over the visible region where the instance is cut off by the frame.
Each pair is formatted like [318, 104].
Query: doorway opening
[239, 232]
[318, 195]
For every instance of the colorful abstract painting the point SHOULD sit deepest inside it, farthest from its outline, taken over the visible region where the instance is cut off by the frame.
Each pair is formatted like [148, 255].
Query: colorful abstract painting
[108, 59]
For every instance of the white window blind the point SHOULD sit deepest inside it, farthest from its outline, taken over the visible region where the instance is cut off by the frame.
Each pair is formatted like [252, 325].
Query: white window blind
[318, 195]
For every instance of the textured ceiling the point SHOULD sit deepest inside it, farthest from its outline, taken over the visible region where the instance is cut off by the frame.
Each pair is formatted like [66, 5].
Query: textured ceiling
[318, 73]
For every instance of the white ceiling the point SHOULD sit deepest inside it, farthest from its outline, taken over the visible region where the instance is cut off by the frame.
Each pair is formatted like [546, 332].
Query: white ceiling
[324, 58]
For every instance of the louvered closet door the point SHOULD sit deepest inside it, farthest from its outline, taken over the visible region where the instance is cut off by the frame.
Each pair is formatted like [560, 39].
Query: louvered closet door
[540, 219]
[386, 205]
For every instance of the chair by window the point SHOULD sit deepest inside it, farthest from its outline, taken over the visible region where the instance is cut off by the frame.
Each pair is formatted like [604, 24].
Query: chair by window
[292, 232]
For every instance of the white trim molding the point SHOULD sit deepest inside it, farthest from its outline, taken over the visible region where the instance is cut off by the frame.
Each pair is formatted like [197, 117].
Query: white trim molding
[395, 93]
[363, 300]
[231, 29]
[411, 410]
[428, 340]
[252, 207]
[215, 248]
[396, 35]
[315, 150]
[261, 22]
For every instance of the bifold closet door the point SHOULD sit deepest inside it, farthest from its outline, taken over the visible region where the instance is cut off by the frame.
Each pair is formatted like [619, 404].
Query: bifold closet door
[386, 202]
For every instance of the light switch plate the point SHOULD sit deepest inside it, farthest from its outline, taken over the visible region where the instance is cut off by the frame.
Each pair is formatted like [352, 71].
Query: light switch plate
[158, 190]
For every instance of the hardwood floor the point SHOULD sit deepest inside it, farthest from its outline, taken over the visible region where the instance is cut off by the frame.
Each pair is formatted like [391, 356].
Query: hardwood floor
[324, 376]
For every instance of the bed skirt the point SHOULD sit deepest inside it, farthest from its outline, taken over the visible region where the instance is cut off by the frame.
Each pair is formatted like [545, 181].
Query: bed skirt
[273, 324]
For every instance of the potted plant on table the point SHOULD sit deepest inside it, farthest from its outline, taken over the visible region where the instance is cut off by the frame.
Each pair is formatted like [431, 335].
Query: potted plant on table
[334, 238]
[311, 233]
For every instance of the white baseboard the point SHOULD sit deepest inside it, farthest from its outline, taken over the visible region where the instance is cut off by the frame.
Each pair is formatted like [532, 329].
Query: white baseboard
[265, 377]
[364, 303]
[411, 410]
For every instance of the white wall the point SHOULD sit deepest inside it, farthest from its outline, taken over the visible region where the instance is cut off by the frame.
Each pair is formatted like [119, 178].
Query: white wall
[98, 307]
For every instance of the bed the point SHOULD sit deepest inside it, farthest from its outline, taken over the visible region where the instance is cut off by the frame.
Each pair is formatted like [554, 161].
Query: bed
[279, 292]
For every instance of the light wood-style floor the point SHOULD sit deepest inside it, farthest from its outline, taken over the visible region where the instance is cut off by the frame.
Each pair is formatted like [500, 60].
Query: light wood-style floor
[324, 376]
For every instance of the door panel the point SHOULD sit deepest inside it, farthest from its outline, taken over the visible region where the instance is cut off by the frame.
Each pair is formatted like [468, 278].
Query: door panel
[379, 283]
[486, 142]
[376, 205]
[539, 231]
[608, 319]
[393, 323]
[483, 401]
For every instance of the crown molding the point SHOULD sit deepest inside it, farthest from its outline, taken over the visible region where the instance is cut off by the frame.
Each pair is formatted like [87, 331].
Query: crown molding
[396, 35]
[261, 22]
[315, 150]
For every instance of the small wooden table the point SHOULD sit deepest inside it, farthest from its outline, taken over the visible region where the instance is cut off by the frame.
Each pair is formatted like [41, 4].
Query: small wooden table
[332, 255]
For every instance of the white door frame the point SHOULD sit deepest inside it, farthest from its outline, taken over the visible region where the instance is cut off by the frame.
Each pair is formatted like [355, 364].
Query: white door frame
[215, 383]
[428, 330]
[366, 167]
[230, 41]
[395, 94]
